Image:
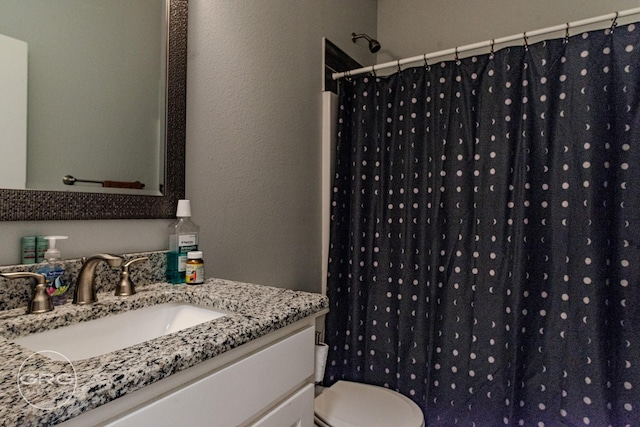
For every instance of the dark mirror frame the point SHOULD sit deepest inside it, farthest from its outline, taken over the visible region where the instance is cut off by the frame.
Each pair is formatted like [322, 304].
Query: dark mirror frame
[38, 205]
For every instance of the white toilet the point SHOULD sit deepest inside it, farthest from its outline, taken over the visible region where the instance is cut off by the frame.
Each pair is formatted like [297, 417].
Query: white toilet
[349, 404]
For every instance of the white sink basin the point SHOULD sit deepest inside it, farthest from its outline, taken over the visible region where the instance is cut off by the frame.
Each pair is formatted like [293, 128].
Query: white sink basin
[100, 336]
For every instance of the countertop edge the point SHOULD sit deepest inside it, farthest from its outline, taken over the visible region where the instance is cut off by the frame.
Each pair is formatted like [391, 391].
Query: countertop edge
[256, 311]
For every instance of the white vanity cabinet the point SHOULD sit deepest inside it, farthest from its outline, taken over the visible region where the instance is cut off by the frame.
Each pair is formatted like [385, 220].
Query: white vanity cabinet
[267, 382]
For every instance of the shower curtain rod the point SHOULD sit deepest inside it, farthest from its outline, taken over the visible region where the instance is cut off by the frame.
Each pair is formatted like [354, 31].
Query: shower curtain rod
[488, 43]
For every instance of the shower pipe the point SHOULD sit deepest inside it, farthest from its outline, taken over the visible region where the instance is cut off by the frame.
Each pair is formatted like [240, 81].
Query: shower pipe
[488, 43]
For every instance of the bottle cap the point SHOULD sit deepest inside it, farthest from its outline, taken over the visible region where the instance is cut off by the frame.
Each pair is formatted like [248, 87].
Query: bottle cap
[194, 255]
[184, 208]
[52, 252]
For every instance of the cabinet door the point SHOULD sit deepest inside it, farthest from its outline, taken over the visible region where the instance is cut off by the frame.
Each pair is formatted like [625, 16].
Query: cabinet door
[236, 393]
[297, 411]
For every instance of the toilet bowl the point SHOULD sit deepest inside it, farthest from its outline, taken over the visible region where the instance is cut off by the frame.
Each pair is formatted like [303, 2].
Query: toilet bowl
[349, 404]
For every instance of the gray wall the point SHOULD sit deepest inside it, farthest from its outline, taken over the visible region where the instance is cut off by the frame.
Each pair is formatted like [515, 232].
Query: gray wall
[253, 135]
[254, 120]
[409, 28]
[253, 142]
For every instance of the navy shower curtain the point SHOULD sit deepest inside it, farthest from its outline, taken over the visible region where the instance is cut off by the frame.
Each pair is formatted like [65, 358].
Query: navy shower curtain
[485, 242]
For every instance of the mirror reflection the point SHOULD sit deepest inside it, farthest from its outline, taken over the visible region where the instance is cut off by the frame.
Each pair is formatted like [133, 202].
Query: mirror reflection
[86, 84]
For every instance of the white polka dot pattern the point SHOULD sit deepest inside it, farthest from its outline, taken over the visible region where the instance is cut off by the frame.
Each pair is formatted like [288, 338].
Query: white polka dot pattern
[485, 241]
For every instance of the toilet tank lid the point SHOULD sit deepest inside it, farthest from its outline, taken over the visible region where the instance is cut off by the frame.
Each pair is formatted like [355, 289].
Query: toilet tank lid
[349, 404]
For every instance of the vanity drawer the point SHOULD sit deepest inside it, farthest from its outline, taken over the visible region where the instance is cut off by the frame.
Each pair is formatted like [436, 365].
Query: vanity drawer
[296, 411]
[238, 392]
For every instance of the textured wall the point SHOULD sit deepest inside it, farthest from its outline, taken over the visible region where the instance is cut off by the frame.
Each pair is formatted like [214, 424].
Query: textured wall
[253, 142]
[254, 118]
[409, 28]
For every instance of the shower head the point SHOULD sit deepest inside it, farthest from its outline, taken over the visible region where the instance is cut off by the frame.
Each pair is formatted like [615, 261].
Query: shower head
[374, 45]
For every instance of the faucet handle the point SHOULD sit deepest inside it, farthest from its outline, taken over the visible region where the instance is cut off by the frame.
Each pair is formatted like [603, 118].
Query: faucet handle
[40, 301]
[125, 286]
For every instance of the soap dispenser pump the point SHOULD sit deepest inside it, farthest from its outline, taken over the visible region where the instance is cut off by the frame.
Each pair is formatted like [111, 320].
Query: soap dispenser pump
[54, 272]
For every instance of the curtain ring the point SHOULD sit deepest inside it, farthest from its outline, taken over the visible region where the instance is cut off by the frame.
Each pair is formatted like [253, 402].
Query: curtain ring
[373, 71]
[614, 22]
[566, 34]
[399, 69]
[526, 40]
[457, 55]
[426, 64]
[492, 52]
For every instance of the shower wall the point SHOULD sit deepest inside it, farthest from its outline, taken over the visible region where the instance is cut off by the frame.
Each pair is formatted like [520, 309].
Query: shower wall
[408, 28]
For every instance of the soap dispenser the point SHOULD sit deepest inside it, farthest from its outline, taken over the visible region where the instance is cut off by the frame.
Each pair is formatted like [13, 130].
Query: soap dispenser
[54, 272]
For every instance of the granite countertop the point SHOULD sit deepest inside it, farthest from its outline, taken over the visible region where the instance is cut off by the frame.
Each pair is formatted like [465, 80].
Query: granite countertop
[254, 311]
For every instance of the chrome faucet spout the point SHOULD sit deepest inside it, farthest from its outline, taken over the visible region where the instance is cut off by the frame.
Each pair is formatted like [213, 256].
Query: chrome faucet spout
[85, 292]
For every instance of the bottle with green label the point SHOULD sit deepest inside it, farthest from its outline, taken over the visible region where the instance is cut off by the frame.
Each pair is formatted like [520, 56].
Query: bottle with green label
[183, 238]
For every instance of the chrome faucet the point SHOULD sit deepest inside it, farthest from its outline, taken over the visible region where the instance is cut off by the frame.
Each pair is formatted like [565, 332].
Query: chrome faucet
[85, 292]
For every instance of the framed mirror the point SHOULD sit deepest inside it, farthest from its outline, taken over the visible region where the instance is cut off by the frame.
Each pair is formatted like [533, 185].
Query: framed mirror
[75, 204]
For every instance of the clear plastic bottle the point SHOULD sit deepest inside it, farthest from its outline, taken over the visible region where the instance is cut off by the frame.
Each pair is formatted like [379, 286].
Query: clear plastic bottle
[183, 238]
[57, 286]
